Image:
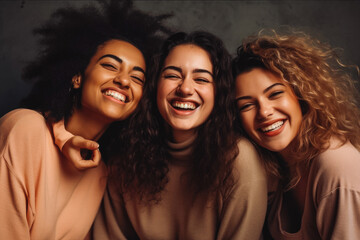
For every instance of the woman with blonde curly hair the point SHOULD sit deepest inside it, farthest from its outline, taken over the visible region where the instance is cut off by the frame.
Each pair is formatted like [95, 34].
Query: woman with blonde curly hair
[298, 104]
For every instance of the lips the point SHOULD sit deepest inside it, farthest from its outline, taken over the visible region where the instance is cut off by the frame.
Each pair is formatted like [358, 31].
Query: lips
[273, 129]
[116, 95]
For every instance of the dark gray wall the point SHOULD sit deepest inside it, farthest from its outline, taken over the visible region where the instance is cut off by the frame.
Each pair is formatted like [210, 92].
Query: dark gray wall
[337, 22]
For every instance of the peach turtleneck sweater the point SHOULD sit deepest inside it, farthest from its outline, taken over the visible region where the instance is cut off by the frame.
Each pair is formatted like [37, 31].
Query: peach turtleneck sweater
[43, 197]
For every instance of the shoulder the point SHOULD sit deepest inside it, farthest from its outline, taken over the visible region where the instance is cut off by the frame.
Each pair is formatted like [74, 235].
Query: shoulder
[23, 140]
[248, 155]
[20, 126]
[22, 119]
[248, 163]
[338, 159]
[337, 167]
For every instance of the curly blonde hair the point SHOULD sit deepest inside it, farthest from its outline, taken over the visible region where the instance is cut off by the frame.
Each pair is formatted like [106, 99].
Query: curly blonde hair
[326, 90]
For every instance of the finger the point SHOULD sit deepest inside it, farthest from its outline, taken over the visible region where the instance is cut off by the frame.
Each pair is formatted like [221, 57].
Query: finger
[77, 160]
[81, 142]
[96, 156]
[86, 164]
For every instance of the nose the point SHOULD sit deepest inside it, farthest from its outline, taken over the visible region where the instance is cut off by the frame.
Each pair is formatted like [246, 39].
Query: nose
[265, 109]
[186, 87]
[122, 80]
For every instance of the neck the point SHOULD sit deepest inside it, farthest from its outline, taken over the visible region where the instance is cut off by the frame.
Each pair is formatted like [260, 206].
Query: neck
[81, 124]
[178, 136]
[288, 155]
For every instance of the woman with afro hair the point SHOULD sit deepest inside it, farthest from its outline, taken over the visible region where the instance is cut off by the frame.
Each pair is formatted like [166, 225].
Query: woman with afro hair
[88, 77]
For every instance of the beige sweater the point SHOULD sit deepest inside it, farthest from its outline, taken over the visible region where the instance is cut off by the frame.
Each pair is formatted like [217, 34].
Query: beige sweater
[42, 197]
[179, 216]
[332, 203]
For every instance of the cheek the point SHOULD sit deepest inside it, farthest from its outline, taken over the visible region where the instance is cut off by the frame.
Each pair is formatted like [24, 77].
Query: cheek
[208, 95]
[162, 89]
[293, 108]
[138, 92]
[88, 91]
[161, 97]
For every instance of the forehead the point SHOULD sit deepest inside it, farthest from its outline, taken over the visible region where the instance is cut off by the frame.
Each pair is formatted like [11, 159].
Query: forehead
[122, 49]
[256, 79]
[188, 55]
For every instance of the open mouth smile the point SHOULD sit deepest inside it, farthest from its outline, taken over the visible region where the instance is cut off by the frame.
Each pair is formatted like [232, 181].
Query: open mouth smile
[116, 95]
[273, 129]
[273, 126]
[180, 105]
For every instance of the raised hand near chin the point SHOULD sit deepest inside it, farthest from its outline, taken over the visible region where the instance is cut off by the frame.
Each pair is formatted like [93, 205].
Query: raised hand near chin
[82, 153]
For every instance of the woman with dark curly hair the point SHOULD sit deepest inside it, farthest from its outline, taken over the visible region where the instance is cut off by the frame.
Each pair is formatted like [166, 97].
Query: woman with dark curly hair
[297, 102]
[89, 74]
[186, 175]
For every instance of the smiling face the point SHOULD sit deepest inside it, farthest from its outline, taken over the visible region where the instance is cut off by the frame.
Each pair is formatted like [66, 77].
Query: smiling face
[185, 94]
[113, 81]
[269, 110]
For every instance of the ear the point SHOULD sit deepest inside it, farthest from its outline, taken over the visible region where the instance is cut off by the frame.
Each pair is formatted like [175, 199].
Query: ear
[76, 81]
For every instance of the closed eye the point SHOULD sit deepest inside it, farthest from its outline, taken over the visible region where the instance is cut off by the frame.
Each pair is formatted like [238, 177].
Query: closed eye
[138, 80]
[171, 76]
[109, 66]
[246, 107]
[275, 94]
[202, 80]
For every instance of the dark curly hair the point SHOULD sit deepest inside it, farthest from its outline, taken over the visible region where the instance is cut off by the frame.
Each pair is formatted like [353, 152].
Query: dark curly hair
[71, 37]
[325, 88]
[144, 170]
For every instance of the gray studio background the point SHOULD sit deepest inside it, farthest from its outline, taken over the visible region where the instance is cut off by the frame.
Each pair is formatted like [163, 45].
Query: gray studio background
[337, 22]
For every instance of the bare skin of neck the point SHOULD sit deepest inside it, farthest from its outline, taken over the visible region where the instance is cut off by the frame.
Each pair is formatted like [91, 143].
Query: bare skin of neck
[179, 136]
[89, 128]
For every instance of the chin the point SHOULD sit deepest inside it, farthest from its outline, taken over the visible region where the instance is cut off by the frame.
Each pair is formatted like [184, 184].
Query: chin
[276, 147]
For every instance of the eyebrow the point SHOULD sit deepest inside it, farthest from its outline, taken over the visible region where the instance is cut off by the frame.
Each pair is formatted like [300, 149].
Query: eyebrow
[197, 70]
[173, 68]
[266, 90]
[111, 56]
[136, 68]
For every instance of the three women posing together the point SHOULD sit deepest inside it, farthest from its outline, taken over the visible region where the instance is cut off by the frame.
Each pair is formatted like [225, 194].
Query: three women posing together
[178, 164]
[293, 101]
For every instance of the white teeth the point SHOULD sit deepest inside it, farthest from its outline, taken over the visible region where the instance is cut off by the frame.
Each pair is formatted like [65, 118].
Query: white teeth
[116, 95]
[273, 126]
[185, 106]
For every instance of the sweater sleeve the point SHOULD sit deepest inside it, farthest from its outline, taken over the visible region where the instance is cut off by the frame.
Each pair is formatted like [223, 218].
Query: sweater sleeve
[20, 141]
[243, 214]
[338, 215]
[337, 193]
[14, 216]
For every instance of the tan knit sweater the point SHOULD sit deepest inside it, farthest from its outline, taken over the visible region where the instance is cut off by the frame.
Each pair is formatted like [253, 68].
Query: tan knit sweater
[179, 216]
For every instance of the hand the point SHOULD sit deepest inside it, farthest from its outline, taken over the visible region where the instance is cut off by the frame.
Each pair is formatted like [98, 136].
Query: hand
[82, 153]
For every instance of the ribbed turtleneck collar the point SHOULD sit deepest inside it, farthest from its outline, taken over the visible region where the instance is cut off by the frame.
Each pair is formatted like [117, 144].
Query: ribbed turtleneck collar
[181, 153]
